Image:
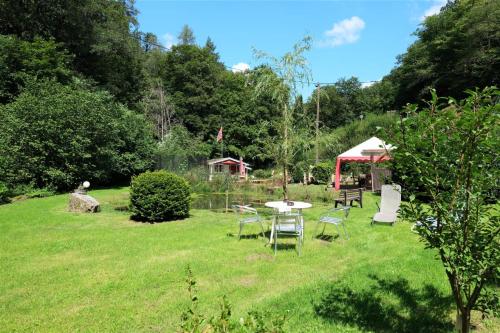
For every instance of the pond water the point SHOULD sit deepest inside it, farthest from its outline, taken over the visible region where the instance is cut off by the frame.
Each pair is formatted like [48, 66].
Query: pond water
[221, 202]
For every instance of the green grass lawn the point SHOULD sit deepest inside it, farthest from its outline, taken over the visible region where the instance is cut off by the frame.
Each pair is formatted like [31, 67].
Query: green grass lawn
[66, 272]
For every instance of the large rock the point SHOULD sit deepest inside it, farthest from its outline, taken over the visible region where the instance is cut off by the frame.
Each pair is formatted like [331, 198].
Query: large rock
[83, 203]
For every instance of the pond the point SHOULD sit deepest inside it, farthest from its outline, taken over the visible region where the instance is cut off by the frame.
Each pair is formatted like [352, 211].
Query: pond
[220, 202]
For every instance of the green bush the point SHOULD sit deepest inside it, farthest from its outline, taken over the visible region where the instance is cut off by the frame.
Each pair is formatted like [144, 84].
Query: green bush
[159, 196]
[56, 136]
[298, 170]
[262, 173]
[322, 172]
[4, 194]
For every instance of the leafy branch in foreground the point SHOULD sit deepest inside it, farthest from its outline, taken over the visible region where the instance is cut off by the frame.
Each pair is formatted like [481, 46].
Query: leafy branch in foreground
[447, 159]
[193, 321]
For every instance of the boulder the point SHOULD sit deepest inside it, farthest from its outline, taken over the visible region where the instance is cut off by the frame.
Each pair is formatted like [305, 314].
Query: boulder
[83, 203]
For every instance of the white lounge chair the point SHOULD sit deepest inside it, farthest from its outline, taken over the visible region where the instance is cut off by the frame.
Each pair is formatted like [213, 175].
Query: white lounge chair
[389, 205]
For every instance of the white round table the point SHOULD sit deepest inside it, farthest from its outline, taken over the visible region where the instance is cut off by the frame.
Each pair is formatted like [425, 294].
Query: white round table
[284, 207]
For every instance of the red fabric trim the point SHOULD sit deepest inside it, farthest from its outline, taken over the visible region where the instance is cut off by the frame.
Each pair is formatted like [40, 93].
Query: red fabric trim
[366, 159]
[337, 174]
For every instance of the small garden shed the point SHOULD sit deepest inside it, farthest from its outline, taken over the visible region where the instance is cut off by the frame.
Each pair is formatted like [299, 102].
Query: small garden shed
[228, 165]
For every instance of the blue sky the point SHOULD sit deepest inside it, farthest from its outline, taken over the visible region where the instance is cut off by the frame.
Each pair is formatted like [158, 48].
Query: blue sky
[351, 38]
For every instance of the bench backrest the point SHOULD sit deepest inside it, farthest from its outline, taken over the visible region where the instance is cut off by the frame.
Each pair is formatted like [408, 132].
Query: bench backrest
[349, 194]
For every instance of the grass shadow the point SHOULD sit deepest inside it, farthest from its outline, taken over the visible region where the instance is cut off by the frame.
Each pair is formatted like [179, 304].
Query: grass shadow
[327, 237]
[388, 306]
[285, 247]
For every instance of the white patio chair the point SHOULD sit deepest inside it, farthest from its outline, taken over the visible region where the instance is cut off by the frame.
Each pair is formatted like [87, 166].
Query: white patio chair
[288, 225]
[287, 210]
[247, 215]
[336, 217]
[389, 205]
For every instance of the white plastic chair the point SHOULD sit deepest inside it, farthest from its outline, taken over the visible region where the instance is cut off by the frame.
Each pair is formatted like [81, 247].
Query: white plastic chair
[335, 216]
[289, 225]
[246, 216]
[389, 205]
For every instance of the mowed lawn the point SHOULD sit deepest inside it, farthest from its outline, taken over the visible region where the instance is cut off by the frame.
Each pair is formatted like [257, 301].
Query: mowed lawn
[68, 272]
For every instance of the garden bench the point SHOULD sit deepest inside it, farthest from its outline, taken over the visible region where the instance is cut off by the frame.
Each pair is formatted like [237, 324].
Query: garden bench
[351, 195]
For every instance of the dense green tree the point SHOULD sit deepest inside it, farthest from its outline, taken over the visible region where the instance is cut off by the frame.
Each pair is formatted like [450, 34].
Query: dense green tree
[207, 96]
[101, 35]
[59, 135]
[447, 153]
[21, 60]
[455, 50]
[173, 155]
[379, 97]
[246, 121]
[149, 41]
[342, 102]
[192, 77]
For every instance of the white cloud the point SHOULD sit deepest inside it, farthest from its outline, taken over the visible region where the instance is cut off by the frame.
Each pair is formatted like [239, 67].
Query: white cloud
[344, 32]
[240, 67]
[434, 9]
[367, 84]
[168, 40]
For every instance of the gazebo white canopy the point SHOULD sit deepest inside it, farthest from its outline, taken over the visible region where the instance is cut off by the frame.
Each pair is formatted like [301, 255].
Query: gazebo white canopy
[372, 150]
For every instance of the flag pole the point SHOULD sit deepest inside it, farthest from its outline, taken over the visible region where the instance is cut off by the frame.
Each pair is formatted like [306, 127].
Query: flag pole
[221, 143]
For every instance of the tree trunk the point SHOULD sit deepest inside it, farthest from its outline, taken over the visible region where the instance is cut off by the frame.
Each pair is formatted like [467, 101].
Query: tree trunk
[463, 321]
[285, 154]
[285, 182]
[317, 123]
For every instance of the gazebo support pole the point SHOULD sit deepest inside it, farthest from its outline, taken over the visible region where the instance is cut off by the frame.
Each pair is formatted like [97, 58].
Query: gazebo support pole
[371, 169]
[337, 174]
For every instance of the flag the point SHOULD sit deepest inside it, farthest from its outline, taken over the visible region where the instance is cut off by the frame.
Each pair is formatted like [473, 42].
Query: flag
[219, 135]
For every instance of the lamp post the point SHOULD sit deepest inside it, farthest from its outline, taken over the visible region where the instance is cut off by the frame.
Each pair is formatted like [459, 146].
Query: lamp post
[82, 189]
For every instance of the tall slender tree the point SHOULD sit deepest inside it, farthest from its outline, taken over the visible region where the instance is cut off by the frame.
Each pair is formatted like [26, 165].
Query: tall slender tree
[288, 72]
[186, 36]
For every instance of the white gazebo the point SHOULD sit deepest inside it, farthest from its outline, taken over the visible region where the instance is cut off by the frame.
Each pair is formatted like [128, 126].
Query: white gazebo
[371, 151]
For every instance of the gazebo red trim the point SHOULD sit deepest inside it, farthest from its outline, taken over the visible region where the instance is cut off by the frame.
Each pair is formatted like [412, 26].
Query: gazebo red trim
[359, 159]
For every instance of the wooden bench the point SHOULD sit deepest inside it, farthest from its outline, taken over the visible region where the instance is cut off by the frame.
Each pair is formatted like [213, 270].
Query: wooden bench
[351, 195]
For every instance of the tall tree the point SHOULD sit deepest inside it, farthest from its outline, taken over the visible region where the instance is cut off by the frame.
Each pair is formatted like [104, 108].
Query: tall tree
[186, 36]
[440, 58]
[287, 73]
[102, 35]
[159, 109]
[340, 103]
[192, 76]
[149, 41]
[22, 60]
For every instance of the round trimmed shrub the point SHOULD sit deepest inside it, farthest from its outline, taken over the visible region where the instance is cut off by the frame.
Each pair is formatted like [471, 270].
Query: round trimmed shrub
[159, 196]
[322, 172]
